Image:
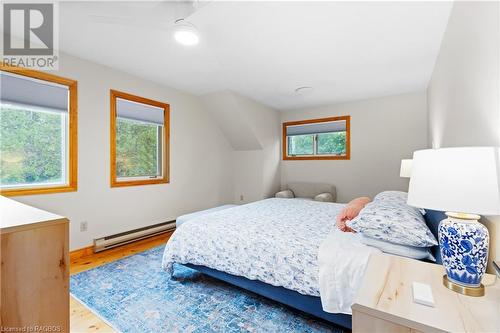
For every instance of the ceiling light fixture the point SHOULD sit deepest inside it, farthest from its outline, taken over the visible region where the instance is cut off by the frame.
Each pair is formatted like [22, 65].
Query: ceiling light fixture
[186, 33]
[303, 90]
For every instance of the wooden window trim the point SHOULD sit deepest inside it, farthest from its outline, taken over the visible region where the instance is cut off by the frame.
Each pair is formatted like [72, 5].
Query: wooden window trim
[347, 156]
[72, 136]
[114, 94]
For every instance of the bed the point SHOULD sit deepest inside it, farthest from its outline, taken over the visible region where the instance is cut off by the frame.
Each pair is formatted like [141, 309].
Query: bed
[271, 247]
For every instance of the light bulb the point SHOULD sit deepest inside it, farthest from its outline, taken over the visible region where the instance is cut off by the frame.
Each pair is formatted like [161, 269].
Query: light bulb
[185, 33]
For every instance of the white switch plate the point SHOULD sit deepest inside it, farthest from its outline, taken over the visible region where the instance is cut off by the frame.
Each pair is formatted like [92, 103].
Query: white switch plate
[83, 226]
[422, 294]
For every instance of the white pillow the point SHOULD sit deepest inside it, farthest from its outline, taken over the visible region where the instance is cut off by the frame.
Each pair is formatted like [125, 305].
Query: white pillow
[285, 194]
[324, 197]
[400, 250]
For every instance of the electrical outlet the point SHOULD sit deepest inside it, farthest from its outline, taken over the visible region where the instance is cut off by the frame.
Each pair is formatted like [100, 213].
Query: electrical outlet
[83, 226]
[241, 197]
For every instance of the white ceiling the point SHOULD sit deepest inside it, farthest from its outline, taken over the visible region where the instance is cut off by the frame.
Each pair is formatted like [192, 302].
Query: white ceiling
[264, 50]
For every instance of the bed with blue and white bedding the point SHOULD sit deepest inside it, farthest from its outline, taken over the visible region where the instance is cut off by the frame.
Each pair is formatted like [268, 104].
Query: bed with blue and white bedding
[290, 250]
[275, 241]
[279, 243]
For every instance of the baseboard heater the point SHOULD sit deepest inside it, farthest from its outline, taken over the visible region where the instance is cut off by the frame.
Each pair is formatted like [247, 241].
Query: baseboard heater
[108, 242]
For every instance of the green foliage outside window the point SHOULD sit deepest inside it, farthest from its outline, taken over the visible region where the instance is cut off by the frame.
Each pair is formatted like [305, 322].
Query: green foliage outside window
[331, 143]
[136, 149]
[31, 146]
[327, 144]
[301, 145]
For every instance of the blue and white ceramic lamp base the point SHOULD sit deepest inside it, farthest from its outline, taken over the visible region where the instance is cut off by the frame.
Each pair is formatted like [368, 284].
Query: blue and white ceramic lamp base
[464, 243]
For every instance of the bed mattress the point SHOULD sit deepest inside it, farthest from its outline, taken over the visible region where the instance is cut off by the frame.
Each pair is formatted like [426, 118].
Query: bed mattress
[275, 241]
[186, 217]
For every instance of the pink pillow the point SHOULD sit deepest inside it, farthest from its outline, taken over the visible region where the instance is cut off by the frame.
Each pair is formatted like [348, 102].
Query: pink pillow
[361, 201]
[351, 211]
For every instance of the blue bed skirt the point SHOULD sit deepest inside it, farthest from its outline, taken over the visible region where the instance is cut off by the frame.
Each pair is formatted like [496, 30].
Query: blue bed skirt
[305, 303]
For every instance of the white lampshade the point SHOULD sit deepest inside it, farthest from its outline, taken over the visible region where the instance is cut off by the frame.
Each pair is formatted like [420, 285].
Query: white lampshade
[405, 170]
[465, 180]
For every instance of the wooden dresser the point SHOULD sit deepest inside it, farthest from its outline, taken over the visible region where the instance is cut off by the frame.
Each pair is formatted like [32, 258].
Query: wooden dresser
[34, 276]
[384, 302]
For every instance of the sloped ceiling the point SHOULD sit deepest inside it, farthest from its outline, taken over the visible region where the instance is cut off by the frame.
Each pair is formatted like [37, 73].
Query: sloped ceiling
[345, 50]
[229, 115]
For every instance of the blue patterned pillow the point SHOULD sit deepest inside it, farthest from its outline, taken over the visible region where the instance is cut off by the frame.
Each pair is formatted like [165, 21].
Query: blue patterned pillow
[388, 217]
[396, 197]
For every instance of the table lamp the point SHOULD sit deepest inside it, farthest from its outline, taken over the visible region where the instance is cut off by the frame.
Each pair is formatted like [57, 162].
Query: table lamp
[463, 182]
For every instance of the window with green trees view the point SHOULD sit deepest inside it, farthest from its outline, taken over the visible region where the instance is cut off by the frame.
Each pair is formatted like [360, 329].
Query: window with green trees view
[32, 146]
[326, 138]
[139, 140]
[326, 144]
[37, 132]
[138, 146]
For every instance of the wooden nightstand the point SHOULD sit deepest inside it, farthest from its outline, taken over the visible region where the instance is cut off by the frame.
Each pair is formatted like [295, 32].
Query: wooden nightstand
[384, 302]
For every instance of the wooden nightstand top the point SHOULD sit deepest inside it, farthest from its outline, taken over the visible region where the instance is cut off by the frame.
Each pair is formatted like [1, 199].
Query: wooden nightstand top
[386, 293]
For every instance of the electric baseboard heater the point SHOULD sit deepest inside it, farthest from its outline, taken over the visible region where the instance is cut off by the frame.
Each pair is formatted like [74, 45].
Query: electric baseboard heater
[108, 242]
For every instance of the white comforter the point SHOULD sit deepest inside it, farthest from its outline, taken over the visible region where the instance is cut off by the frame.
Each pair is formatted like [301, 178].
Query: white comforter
[276, 241]
[342, 262]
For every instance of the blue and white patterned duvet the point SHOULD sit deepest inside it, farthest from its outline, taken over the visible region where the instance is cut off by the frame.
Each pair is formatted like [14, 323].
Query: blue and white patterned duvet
[275, 241]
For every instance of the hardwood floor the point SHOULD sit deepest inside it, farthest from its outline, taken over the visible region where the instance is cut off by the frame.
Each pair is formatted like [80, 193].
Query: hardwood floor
[81, 319]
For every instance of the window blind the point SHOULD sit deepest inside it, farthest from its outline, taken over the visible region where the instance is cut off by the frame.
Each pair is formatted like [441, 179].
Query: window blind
[315, 128]
[139, 112]
[31, 92]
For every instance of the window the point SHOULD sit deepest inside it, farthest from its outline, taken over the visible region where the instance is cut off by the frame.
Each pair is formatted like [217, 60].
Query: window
[38, 132]
[317, 139]
[139, 140]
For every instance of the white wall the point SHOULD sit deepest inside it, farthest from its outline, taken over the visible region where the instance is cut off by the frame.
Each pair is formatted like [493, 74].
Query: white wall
[383, 131]
[265, 123]
[248, 176]
[253, 130]
[200, 160]
[463, 94]
[225, 108]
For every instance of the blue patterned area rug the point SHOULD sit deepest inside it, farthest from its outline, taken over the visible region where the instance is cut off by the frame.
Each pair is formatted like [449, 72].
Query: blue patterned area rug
[135, 295]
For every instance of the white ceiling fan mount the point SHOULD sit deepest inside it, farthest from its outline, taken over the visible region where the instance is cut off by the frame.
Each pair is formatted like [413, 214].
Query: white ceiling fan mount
[178, 12]
[186, 33]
